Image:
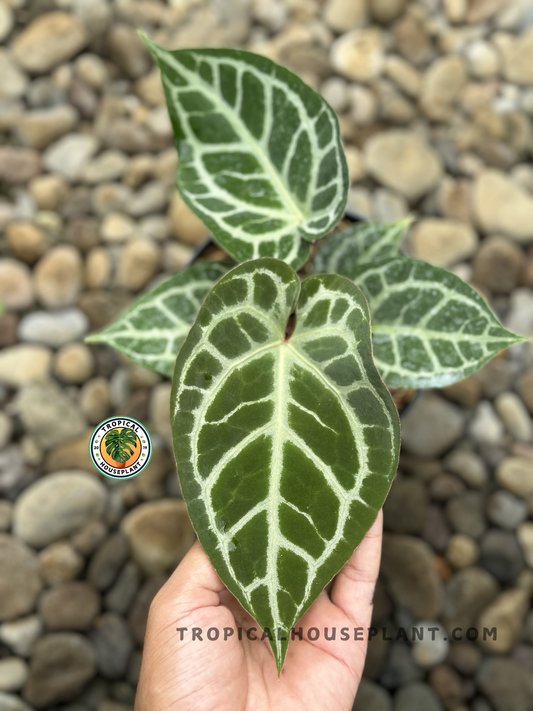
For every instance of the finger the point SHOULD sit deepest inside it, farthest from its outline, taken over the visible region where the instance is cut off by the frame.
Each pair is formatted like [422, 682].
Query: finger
[193, 585]
[353, 588]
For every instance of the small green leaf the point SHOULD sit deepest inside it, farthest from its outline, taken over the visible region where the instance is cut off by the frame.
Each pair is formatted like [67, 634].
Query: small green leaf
[361, 243]
[151, 331]
[286, 446]
[429, 328]
[260, 155]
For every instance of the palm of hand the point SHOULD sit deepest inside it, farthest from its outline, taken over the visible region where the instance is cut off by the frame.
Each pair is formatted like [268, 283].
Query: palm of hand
[240, 675]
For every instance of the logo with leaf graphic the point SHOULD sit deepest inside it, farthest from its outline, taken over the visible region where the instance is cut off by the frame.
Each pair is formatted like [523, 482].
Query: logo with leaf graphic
[120, 447]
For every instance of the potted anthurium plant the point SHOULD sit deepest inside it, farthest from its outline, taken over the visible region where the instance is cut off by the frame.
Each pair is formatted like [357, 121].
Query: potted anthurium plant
[285, 434]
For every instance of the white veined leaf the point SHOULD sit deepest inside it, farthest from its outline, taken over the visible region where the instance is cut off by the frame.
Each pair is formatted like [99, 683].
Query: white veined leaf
[260, 157]
[429, 328]
[361, 243]
[151, 331]
[286, 446]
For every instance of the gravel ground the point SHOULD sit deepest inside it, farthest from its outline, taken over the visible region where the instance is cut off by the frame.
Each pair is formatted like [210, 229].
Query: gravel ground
[436, 109]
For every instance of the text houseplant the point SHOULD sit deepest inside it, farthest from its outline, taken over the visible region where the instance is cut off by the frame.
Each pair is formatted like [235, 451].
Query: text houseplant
[285, 435]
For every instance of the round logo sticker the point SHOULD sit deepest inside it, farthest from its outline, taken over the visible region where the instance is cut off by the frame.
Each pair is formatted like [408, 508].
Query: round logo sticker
[120, 447]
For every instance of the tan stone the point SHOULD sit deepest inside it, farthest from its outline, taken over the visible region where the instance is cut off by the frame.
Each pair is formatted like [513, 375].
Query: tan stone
[16, 290]
[442, 242]
[358, 55]
[150, 89]
[498, 264]
[74, 363]
[403, 74]
[507, 613]
[403, 161]
[159, 533]
[442, 84]
[345, 15]
[18, 165]
[98, 268]
[50, 39]
[385, 11]
[24, 363]
[38, 129]
[58, 276]
[26, 241]
[501, 205]
[518, 59]
[185, 225]
[516, 475]
[139, 262]
[49, 191]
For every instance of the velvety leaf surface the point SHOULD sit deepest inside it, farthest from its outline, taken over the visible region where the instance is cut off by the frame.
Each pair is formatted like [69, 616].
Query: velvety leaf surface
[429, 328]
[151, 331]
[260, 157]
[286, 448]
[361, 243]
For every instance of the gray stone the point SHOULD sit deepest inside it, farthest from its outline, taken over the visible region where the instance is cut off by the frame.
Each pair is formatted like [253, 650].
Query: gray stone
[507, 684]
[61, 664]
[501, 555]
[48, 414]
[469, 466]
[371, 697]
[106, 563]
[120, 597]
[56, 506]
[18, 165]
[409, 571]
[20, 583]
[113, 644]
[465, 594]
[466, 514]
[138, 615]
[431, 426]
[53, 328]
[505, 510]
[406, 506]
[400, 667]
[417, 696]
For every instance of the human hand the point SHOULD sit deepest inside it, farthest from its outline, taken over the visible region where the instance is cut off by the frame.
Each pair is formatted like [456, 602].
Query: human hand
[240, 675]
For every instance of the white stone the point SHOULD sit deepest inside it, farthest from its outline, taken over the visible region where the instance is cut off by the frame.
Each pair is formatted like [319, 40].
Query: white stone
[12, 702]
[358, 55]
[20, 635]
[70, 155]
[432, 649]
[53, 328]
[483, 59]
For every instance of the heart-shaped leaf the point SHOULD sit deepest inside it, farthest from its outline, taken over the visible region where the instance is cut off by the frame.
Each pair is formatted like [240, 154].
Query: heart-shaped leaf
[361, 243]
[151, 331]
[286, 446]
[260, 157]
[429, 328]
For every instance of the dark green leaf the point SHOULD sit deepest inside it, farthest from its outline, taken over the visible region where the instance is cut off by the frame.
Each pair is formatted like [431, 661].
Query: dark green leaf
[261, 161]
[285, 448]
